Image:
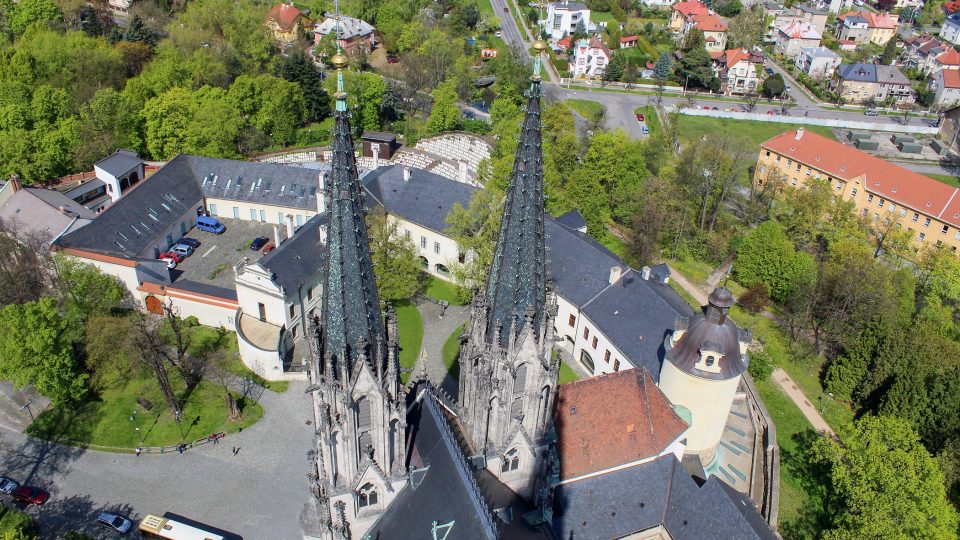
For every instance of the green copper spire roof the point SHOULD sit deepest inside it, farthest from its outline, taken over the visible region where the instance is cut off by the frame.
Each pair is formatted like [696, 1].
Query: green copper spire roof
[516, 285]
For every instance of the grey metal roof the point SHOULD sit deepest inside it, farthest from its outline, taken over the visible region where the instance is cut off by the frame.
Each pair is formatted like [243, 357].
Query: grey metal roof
[819, 52]
[875, 73]
[381, 136]
[891, 75]
[257, 183]
[659, 492]
[447, 491]
[351, 316]
[636, 314]
[205, 288]
[37, 211]
[120, 163]
[131, 224]
[573, 220]
[516, 282]
[298, 259]
[85, 187]
[425, 199]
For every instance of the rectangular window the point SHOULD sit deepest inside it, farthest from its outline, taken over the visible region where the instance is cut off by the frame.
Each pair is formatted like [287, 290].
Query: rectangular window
[839, 185]
[253, 214]
[616, 365]
[915, 217]
[892, 208]
[293, 310]
[423, 242]
[594, 343]
[436, 247]
[789, 163]
[280, 218]
[922, 236]
[768, 153]
[798, 167]
[263, 216]
[853, 192]
[606, 356]
[945, 230]
[808, 171]
[572, 320]
[213, 209]
[586, 332]
[926, 222]
[310, 294]
[778, 159]
[236, 212]
[870, 198]
[406, 233]
[876, 216]
[881, 202]
[793, 182]
[864, 212]
[461, 257]
[903, 212]
[295, 329]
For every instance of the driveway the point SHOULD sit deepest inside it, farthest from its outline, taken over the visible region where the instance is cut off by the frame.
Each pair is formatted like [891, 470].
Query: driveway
[258, 494]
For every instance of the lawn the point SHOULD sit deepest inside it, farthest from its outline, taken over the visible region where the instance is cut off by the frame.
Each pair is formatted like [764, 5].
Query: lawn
[439, 289]
[410, 328]
[615, 245]
[650, 117]
[603, 16]
[696, 271]
[13, 521]
[694, 127]
[485, 7]
[107, 422]
[567, 374]
[948, 179]
[586, 108]
[451, 350]
[209, 337]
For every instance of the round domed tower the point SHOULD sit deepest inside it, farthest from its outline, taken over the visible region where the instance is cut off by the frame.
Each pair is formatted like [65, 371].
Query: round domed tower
[705, 357]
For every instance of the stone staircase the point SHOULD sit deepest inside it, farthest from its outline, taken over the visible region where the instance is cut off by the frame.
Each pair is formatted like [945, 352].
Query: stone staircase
[734, 460]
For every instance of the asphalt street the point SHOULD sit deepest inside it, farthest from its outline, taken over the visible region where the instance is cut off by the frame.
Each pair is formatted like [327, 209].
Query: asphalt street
[258, 494]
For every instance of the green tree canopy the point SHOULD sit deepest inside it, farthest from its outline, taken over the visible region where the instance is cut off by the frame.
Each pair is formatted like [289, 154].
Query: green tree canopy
[395, 260]
[773, 86]
[445, 114]
[767, 256]
[365, 92]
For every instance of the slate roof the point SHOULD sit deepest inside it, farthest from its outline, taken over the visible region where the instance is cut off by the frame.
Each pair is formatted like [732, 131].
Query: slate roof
[381, 136]
[296, 260]
[659, 492]
[37, 211]
[612, 420]
[120, 163]
[425, 199]
[257, 183]
[131, 224]
[873, 73]
[349, 27]
[818, 52]
[572, 220]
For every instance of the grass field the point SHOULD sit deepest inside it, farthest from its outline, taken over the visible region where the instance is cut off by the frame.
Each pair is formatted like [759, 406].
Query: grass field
[586, 108]
[567, 374]
[439, 289]
[603, 16]
[946, 179]
[106, 422]
[485, 7]
[14, 521]
[410, 328]
[694, 127]
[650, 117]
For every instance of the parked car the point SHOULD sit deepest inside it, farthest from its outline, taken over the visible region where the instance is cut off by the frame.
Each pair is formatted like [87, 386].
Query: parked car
[393, 59]
[789, 88]
[258, 243]
[769, 70]
[268, 249]
[171, 264]
[192, 242]
[645, 130]
[771, 113]
[182, 250]
[7, 485]
[871, 112]
[115, 522]
[498, 33]
[640, 118]
[716, 108]
[506, 10]
[31, 495]
[171, 255]
[210, 224]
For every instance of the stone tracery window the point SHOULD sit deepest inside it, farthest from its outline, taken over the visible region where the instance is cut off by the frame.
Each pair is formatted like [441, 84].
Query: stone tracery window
[511, 461]
[367, 496]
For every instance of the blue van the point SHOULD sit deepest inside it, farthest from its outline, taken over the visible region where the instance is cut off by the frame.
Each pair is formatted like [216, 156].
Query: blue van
[210, 224]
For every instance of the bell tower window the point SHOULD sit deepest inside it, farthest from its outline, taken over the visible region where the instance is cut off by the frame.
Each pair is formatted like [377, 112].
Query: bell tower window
[366, 496]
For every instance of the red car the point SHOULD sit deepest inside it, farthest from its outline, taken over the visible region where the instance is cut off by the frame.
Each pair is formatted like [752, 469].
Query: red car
[640, 118]
[392, 59]
[268, 249]
[31, 495]
[177, 258]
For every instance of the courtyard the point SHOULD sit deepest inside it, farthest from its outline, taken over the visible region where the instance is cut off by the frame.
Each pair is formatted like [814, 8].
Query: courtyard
[212, 263]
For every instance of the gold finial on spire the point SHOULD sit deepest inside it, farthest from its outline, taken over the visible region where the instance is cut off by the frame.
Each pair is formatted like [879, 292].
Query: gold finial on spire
[339, 61]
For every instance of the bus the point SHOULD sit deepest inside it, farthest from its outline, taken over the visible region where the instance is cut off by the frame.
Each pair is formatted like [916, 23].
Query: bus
[166, 528]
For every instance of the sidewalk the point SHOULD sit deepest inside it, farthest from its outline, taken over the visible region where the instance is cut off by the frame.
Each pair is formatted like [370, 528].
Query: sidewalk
[809, 411]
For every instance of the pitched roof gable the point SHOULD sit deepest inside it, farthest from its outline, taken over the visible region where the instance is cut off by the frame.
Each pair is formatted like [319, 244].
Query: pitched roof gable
[285, 15]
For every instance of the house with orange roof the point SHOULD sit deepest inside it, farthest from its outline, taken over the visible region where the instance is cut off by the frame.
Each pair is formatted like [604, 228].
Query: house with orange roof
[714, 31]
[945, 84]
[949, 59]
[683, 11]
[951, 7]
[739, 71]
[792, 38]
[283, 20]
[878, 189]
[867, 27]
[628, 42]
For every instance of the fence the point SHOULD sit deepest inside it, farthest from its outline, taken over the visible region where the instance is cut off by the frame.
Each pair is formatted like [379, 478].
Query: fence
[809, 121]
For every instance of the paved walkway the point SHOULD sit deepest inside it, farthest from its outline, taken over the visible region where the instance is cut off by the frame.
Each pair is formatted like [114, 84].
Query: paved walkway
[258, 493]
[790, 388]
[436, 330]
[688, 286]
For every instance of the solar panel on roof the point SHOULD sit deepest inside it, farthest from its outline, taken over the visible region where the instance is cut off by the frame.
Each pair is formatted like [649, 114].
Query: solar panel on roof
[121, 235]
[229, 181]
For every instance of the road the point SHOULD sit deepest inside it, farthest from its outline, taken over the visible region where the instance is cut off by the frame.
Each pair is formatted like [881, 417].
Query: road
[257, 494]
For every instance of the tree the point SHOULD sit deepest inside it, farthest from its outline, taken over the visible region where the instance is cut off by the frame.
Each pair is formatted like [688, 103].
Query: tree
[149, 346]
[746, 28]
[85, 289]
[365, 92]
[109, 350]
[24, 275]
[654, 219]
[36, 347]
[138, 32]
[889, 53]
[694, 40]
[728, 8]
[695, 69]
[445, 113]
[755, 299]
[614, 69]
[395, 261]
[767, 256]
[885, 482]
[218, 369]
[662, 68]
[28, 12]
[773, 86]
[475, 229]
[299, 68]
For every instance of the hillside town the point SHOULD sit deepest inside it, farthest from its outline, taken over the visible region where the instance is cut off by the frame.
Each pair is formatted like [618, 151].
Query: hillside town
[479, 269]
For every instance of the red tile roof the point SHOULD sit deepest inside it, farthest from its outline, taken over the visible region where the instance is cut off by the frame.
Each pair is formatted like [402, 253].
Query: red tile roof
[951, 7]
[894, 183]
[628, 39]
[951, 78]
[874, 20]
[613, 420]
[565, 42]
[708, 22]
[284, 15]
[950, 58]
[691, 7]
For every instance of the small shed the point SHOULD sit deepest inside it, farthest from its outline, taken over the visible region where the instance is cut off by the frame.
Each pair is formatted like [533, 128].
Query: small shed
[379, 142]
[858, 136]
[909, 147]
[866, 144]
[900, 138]
[939, 147]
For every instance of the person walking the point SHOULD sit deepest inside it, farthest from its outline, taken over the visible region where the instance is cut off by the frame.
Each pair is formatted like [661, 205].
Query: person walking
[138, 450]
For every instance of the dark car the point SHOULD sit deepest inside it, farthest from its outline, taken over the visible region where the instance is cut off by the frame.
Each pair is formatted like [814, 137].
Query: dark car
[506, 10]
[30, 495]
[192, 242]
[393, 59]
[258, 243]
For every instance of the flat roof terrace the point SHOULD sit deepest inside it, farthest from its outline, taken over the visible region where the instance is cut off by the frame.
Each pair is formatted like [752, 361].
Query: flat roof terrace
[212, 263]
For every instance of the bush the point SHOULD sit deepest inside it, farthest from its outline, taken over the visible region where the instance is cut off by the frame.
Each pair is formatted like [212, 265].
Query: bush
[756, 299]
[761, 366]
[473, 125]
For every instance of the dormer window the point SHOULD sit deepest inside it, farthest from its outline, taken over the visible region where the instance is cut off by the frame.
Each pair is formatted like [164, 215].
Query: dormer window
[710, 355]
[366, 496]
[711, 360]
[511, 461]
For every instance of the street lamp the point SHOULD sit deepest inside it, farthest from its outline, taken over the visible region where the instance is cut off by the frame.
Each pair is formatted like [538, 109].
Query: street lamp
[133, 418]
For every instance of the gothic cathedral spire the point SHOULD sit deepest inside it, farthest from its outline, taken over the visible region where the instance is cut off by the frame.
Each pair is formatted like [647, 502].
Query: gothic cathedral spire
[508, 375]
[359, 406]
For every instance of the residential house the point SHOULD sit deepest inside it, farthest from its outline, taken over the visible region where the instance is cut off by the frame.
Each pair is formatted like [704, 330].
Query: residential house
[903, 4]
[628, 42]
[817, 62]
[802, 13]
[354, 33]
[867, 27]
[739, 71]
[950, 31]
[920, 52]
[790, 39]
[950, 8]
[928, 208]
[283, 20]
[563, 18]
[43, 214]
[683, 11]
[859, 83]
[657, 3]
[714, 32]
[945, 84]
[590, 57]
[847, 45]
[836, 6]
[119, 6]
[949, 60]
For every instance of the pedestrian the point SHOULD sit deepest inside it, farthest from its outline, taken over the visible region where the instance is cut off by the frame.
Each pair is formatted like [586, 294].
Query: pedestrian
[180, 449]
[234, 450]
[138, 451]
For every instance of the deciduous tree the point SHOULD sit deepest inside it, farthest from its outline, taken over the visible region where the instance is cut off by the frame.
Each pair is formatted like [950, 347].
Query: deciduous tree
[395, 261]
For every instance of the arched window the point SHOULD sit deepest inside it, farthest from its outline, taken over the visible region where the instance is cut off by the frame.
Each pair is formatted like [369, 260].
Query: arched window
[424, 263]
[711, 360]
[363, 414]
[442, 270]
[366, 496]
[511, 461]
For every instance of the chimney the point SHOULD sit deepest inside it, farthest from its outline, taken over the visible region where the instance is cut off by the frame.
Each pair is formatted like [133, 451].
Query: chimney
[289, 218]
[321, 197]
[376, 155]
[15, 182]
[276, 235]
[615, 272]
[406, 173]
[645, 273]
[799, 133]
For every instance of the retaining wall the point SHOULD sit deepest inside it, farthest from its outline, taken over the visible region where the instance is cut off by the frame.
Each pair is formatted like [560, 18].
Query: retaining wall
[919, 127]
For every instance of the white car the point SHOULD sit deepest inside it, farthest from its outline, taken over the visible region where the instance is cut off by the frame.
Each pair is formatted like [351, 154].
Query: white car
[7, 485]
[170, 262]
[115, 522]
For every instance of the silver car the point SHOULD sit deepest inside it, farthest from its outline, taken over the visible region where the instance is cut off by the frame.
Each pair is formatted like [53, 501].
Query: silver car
[7, 485]
[115, 522]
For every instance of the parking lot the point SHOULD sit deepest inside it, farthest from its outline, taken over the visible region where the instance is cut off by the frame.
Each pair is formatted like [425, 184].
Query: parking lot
[213, 261]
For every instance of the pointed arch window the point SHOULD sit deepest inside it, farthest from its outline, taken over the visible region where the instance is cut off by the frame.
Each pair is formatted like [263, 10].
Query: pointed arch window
[367, 496]
[511, 461]
[363, 414]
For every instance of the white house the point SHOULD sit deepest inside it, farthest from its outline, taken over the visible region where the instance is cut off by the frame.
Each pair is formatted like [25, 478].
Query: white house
[817, 61]
[739, 70]
[791, 38]
[590, 58]
[563, 18]
[951, 29]
[946, 87]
